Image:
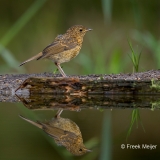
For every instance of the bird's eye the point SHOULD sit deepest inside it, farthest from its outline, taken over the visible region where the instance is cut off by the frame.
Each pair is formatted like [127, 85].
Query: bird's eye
[80, 30]
[80, 150]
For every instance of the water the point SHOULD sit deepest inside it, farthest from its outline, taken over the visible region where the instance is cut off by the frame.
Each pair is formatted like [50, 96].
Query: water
[106, 123]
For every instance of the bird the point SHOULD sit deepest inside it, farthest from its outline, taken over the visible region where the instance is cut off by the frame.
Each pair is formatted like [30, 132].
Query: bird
[64, 47]
[64, 132]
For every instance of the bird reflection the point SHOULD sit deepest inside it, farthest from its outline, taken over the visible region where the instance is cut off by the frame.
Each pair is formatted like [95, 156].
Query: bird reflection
[64, 131]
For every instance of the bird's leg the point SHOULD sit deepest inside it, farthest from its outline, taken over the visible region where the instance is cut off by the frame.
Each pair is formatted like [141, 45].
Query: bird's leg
[58, 113]
[60, 70]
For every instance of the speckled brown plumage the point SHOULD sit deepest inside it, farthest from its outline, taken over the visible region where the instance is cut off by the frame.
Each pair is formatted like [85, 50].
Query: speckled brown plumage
[64, 48]
[64, 131]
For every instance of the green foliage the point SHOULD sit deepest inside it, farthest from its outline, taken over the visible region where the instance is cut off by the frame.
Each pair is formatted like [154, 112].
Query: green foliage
[155, 105]
[106, 142]
[135, 119]
[107, 10]
[115, 65]
[135, 58]
[14, 30]
[10, 60]
[136, 14]
[150, 42]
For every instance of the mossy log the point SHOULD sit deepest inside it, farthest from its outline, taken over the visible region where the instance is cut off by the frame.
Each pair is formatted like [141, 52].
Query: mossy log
[144, 83]
[89, 85]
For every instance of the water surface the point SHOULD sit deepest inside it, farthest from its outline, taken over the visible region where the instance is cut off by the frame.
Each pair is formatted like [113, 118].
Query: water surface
[106, 123]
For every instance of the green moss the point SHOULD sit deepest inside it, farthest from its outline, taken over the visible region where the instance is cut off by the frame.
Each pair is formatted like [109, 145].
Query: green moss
[155, 84]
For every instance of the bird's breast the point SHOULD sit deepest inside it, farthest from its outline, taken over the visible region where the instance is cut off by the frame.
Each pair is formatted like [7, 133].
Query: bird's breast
[66, 55]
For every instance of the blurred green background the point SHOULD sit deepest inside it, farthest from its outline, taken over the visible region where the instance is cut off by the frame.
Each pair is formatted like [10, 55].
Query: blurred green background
[28, 26]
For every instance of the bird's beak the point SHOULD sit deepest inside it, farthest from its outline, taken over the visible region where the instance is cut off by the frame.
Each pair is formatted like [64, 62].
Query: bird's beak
[89, 29]
[88, 150]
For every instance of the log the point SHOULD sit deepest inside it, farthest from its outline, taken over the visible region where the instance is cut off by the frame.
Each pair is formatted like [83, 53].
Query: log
[48, 91]
[131, 84]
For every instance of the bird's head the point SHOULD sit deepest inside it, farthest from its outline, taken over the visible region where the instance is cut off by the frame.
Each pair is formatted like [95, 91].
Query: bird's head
[78, 150]
[78, 30]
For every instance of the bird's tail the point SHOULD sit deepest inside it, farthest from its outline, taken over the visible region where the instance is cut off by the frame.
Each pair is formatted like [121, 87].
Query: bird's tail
[32, 122]
[32, 58]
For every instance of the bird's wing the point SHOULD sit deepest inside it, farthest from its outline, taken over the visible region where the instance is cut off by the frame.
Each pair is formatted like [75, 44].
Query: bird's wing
[57, 133]
[57, 46]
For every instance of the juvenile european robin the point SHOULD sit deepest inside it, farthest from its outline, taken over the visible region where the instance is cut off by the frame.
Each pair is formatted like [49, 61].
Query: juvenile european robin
[64, 48]
[64, 131]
